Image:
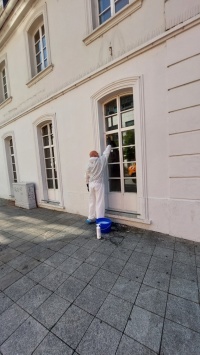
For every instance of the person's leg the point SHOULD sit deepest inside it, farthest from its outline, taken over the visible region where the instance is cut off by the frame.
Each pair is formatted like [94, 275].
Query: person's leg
[100, 200]
[92, 203]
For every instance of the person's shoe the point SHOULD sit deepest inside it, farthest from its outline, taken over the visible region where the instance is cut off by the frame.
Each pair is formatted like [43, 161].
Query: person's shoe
[90, 221]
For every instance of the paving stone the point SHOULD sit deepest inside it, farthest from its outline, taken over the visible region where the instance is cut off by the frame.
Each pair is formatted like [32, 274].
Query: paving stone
[105, 343]
[69, 249]
[25, 339]
[184, 288]
[82, 253]
[134, 272]
[121, 253]
[53, 244]
[85, 272]
[156, 279]
[91, 299]
[115, 312]
[198, 260]
[93, 244]
[80, 241]
[178, 340]
[126, 289]
[70, 265]
[72, 326]
[185, 258]
[165, 243]
[114, 265]
[184, 312]
[9, 279]
[24, 263]
[19, 288]
[10, 321]
[33, 298]
[53, 280]
[152, 300]
[104, 280]
[184, 271]
[129, 346]
[138, 258]
[8, 254]
[39, 253]
[51, 310]
[145, 327]
[51, 345]
[24, 247]
[145, 248]
[40, 272]
[129, 244]
[96, 259]
[5, 302]
[163, 253]
[71, 288]
[5, 269]
[56, 259]
[160, 265]
[197, 248]
[184, 247]
[106, 248]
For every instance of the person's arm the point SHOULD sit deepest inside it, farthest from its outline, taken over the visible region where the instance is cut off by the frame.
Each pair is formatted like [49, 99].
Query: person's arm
[106, 152]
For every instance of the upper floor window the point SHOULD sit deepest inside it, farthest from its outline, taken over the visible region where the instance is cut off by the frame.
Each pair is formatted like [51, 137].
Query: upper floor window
[108, 8]
[41, 60]
[4, 87]
[4, 84]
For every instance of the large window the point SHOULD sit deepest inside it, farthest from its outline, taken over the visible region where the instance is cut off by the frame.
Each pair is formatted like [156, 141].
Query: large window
[108, 8]
[4, 90]
[41, 60]
[13, 164]
[49, 156]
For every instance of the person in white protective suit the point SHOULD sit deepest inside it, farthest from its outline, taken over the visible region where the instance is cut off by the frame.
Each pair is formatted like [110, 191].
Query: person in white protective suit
[95, 184]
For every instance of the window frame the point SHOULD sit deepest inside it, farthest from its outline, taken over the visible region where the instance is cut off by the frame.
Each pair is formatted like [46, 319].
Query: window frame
[94, 30]
[8, 158]
[4, 96]
[112, 10]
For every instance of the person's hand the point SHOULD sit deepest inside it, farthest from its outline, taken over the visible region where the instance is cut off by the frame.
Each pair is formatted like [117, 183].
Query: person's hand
[109, 141]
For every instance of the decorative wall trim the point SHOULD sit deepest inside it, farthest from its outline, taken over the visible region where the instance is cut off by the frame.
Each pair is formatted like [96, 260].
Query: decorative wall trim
[40, 76]
[5, 102]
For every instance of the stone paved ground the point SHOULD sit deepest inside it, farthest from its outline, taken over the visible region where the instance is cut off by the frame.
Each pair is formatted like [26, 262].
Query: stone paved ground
[62, 291]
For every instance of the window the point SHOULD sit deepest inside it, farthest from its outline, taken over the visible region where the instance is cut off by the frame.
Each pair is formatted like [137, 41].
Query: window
[40, 49]
[4, 88]
[10, 150]
[12, 155]
[108, 8]
[4, 84]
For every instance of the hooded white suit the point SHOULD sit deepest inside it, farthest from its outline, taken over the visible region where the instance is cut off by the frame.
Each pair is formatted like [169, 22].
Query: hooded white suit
[94, 177]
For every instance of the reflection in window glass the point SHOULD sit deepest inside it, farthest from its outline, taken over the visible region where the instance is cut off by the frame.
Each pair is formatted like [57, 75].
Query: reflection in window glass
[46, 141]
[114, 170]
[114, 185]
[126, 102]
[120, 4]
[105, 16]
[111, 123]
[127, 119]
[50, 183]
[128, 137]
[129, 154]
[114, 156]
[50, 162]
[130, 185]
[111, 107]
[103, 4]
[130, 169]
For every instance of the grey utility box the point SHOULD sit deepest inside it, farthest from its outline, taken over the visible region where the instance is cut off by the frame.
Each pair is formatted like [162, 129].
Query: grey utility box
[24, 193]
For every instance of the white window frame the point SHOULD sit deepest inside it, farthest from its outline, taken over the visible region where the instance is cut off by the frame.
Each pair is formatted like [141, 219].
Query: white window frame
[8, 158]
[4, 94]
[94, 30]
[41, 50]
[112, 9]
[35, 23]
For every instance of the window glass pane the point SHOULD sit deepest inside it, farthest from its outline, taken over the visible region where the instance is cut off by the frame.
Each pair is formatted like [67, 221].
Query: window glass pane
[45, 63]
[56, 184]
[110, 107]
[3, 72]
[52, 151]
[37, 36]
[15, 176]
[55, 173]
[115, 185]
[103, 4]
[52, 139]
[111, 123]
[44, 131]
[14, 167]
[37, 47]
[113, 139]
[13, 159]
[4, 80]
[45, 141]
[11, 150]
[48, 163]
[127, 119]
[39, 68]
[105, 16]
[50, 183]
[130, 169]
[47, 153]
[126, 102]
[129, 154]
[114, 156]
[120, 4]
[49, 173]
[43, 31]
[11, 142]
[128, 137]
[6, 96]
[39, 58]
[130, 185]
[114, 170]
[44, 42]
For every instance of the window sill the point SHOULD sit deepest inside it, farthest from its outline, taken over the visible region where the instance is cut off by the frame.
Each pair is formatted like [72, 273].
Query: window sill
[40, 75]
[5, 102]
[113, 21]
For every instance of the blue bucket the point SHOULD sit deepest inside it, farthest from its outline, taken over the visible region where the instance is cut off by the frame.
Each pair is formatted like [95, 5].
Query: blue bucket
[105, 224]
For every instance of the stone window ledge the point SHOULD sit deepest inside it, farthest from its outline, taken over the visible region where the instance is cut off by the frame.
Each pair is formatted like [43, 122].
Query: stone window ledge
[40, 76]
[5, 102]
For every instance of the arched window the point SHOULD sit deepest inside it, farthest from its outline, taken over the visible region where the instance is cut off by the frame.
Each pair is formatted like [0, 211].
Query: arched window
[11, 161]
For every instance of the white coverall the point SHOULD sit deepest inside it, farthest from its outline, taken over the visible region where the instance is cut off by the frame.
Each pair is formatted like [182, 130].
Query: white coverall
[94, 177]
